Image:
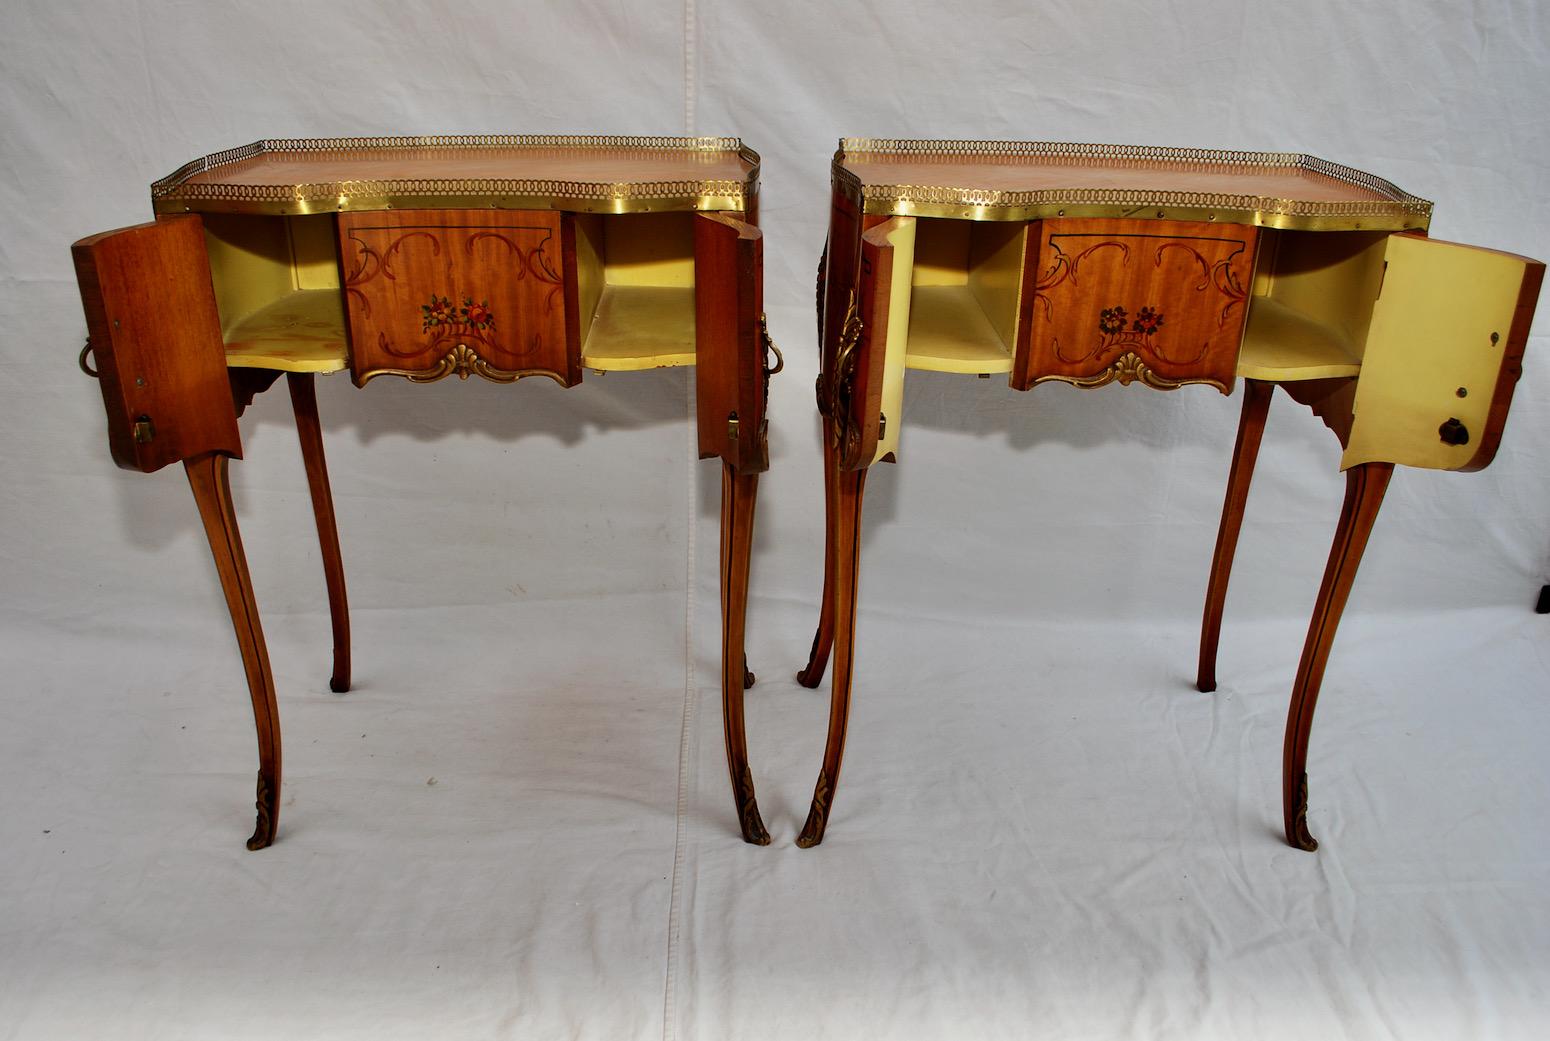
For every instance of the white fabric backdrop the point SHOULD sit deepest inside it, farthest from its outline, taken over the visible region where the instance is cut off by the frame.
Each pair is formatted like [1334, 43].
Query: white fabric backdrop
[518, 824]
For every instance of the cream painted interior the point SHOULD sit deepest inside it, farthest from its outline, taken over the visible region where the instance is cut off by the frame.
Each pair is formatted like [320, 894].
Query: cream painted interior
[277, 290]
[966, 277]
[1312, 303]
[302, 331]
[1431, 336]
[900, 234]
[636, 288]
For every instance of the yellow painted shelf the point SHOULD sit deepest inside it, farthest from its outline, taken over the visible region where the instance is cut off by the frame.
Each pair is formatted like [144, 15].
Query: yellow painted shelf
[949, 332]
[302, 331]
[641, 327]
[1282, 344]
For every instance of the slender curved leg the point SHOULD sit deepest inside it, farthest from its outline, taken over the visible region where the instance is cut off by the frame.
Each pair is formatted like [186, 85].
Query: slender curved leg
[738, 492]
[212, 491]
[1256, 403]
[309, 432]
[823, 639]
[847, 512]
[1364, 489]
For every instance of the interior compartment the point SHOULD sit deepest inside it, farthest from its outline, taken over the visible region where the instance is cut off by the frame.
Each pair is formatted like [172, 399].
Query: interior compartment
[964, 290]
[1312, 304]
[277, 289]
[635, 275]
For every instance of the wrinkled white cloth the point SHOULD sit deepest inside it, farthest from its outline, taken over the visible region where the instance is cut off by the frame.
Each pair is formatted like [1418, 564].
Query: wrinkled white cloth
[519, 824]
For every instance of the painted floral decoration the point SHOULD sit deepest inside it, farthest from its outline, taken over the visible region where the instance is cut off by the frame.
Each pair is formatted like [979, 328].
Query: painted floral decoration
[441, 311]
[1112, 320]
[1147, 321]
[478, 315]
[438, 312]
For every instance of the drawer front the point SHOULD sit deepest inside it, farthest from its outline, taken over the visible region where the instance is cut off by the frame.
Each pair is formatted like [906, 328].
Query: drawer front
[436, 293]
[1150, 301]
[155, 338]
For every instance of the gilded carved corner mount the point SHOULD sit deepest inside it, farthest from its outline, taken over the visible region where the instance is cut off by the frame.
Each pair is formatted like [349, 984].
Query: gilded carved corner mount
[836, 387]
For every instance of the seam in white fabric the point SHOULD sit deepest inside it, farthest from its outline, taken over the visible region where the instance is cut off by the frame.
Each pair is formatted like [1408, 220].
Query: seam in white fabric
[689, 731]
[688, 736]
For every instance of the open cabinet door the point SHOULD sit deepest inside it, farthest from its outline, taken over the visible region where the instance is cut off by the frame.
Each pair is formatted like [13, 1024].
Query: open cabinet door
[1443, 354]
[862, 391]
[155, 335]
[732, 377]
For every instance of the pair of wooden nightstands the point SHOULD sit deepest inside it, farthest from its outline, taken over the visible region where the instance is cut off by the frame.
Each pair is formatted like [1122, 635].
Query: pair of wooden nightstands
[507, 257]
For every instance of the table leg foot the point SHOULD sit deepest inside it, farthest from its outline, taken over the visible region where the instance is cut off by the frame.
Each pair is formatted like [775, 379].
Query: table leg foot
[1365, 485]
[846, 572]
[738, 495]
[268, 807]
[1298, 835]
[309, 431]
[208, 478]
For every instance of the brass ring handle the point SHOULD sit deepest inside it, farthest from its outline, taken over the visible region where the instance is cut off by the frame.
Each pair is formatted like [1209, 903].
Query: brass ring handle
[81, 361]
[769, 345]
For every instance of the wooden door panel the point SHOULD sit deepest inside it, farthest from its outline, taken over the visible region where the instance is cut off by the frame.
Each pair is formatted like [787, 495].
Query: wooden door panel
[433, 293]
[732, 375]
[1159, 302]
[851, 389]
[1443, 354]
[155, 336]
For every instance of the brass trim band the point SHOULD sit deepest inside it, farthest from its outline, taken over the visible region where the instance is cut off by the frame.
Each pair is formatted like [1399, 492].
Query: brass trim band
[1398, 211]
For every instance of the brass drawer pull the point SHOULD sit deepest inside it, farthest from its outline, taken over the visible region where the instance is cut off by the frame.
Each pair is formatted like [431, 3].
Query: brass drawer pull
[769, 345]
[81, 361]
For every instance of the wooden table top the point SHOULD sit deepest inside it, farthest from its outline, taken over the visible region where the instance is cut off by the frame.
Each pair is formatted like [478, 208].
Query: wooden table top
[1026, 180]
[588, 174]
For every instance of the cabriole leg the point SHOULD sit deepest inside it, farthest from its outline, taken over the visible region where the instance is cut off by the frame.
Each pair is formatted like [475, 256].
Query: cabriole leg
[309, 431]
[823, 639]
[207, 477]
[1364, 489]
[847, 540]
[738, 492]
[1256, 404]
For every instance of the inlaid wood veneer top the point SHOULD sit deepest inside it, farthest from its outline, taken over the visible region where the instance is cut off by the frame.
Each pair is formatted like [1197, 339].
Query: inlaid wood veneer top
[1027, 180]
[578, 173]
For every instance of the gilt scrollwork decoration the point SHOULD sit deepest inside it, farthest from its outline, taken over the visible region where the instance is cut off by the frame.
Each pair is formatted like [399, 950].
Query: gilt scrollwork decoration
[818, 813]
[463, 361]
[836, 386]
[1300, 836]
[1128, 368]
[748, 817]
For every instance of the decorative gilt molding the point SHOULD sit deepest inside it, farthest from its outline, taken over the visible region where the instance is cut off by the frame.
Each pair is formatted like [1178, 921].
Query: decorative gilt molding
[818, 815]
[748, 810]
[836, 386]
[1128, 368]
[462, 362]
[1300, 836]
[263, 830]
